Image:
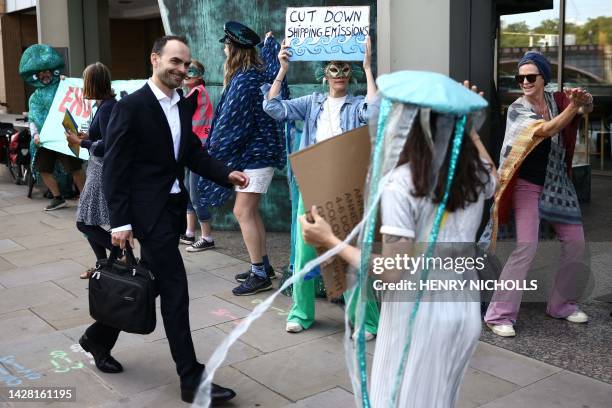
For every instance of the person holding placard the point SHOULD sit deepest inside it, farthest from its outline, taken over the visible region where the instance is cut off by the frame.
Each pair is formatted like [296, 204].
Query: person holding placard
[244, 137]
[40, 67]
[324, 115]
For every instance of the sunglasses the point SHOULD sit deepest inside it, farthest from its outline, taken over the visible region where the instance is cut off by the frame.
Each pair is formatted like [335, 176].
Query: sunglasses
[531, 78]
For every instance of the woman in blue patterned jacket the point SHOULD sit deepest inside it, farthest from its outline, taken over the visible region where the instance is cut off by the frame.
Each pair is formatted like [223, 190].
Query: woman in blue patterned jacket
[244, 137]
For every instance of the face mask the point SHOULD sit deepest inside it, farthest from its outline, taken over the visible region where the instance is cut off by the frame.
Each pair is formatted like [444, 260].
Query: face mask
[334, 70]
[193, 72]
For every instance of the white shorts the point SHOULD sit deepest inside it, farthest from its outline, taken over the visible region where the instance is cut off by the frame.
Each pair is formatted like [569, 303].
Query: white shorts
[259, 180]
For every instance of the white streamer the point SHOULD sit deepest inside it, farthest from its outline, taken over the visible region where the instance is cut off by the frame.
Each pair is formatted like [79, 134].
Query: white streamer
[164, 13]
[219, 355]
[203, 395]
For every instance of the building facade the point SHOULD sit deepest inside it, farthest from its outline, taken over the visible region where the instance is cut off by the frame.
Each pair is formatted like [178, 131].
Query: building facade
[479, 40]
[115, 32]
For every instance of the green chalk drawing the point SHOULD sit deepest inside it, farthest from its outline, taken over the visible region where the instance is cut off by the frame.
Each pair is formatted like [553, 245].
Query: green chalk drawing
[62, 363]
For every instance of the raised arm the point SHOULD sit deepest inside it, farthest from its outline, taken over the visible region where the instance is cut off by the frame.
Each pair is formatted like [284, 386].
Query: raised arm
[283, 59]
[269, 51]
[579, 99]
[275, 104]
[483, 153]
[367, 68]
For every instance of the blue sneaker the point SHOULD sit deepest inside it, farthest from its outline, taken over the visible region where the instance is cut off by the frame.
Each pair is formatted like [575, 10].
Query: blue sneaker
[241, 277]
[252, 285]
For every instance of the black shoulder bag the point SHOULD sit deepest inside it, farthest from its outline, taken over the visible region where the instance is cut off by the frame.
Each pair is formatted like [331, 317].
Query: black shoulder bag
[122, 294]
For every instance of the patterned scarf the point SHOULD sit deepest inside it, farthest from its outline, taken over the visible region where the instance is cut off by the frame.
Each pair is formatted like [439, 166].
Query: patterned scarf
[519, 141]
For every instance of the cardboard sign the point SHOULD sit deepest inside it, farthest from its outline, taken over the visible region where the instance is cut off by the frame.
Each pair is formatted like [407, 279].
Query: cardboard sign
[69, 97]
[327, 33]
[331, 175]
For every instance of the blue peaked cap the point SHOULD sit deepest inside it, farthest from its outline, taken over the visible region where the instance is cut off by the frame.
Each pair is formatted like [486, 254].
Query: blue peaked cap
[430, 90]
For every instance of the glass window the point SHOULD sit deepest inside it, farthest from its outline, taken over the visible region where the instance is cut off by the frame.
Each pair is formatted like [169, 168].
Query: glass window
[588, 64]
[520, 33]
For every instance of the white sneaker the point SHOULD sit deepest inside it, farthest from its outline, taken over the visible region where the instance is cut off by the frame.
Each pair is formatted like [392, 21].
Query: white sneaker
[503, 330]
[293, 327]
[578, 317]
[368, 336]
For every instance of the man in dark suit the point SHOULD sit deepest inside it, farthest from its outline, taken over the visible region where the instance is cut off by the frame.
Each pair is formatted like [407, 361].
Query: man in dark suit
[149, 143]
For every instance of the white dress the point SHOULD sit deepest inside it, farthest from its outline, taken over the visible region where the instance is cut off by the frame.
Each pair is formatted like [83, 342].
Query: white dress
[445, 333]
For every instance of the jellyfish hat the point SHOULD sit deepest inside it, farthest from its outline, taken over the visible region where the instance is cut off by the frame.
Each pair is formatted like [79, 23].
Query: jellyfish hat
[407, 96]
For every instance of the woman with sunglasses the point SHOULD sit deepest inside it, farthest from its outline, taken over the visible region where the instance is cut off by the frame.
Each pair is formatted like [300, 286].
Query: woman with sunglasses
[324, 115]
[202, 117]
[535, 159]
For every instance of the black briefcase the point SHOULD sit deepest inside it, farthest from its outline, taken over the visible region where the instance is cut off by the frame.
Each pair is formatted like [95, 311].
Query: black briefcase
[122, 294]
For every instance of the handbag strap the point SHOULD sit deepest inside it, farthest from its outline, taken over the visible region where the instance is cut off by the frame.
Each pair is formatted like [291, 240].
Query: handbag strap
[117, 251]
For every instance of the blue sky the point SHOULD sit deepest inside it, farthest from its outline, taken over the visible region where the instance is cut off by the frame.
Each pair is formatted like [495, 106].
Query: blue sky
[577, 11]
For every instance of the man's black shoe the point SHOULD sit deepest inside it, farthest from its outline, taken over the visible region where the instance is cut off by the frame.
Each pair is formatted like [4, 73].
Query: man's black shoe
[241, 277]
[217, 394]
[104, 361]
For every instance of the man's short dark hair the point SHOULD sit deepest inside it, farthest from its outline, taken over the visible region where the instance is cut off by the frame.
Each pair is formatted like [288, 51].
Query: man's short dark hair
[160, 43]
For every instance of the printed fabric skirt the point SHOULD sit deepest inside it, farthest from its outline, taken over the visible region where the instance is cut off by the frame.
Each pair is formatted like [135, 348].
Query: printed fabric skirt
[93, 209]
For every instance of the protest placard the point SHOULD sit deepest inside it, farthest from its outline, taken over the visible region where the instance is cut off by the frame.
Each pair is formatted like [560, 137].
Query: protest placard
[69, 97]
[327, 33]
[331, 175]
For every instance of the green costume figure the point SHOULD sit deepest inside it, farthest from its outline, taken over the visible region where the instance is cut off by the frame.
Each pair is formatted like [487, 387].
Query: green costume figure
[36, 60]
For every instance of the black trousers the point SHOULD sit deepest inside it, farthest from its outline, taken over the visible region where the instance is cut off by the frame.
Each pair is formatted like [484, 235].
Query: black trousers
[99, 239]
[160, 252]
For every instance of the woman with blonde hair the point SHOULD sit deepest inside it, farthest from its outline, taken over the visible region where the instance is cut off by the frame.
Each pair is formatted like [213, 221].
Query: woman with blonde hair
[244, 137]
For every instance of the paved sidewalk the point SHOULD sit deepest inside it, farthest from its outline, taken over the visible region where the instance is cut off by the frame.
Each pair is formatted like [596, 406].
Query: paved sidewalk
[43, 311]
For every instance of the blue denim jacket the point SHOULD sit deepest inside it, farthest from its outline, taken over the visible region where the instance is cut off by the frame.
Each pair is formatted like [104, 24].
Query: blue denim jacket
[353, 114]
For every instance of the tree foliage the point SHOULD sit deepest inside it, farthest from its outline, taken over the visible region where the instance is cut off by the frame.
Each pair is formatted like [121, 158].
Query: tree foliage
[596, 31]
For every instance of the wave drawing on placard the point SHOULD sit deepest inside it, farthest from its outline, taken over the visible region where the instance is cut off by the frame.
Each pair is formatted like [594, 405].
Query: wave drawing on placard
[328, 48]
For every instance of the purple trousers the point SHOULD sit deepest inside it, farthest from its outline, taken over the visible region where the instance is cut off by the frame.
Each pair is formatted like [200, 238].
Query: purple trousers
[504, 306]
